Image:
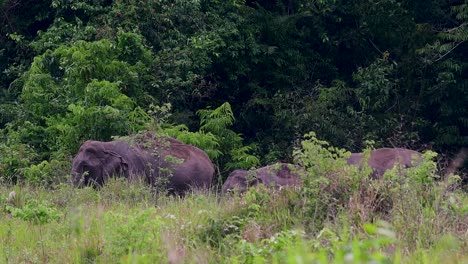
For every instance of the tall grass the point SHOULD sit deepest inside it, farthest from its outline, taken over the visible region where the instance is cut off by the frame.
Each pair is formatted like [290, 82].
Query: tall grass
[338, 216]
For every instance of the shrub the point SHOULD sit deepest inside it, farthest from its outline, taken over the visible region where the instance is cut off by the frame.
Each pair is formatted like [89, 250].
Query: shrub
[328, 183]
[410, 199]
[47, 173]
[14, 157]
[35, 211]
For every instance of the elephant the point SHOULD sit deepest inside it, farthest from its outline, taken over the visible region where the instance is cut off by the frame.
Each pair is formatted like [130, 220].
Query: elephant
[284, 174]
[384, 159]
[181, 166]
[276, 175]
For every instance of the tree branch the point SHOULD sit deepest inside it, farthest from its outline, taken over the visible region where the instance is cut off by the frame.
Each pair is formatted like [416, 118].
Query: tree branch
[454, 47]
[451, 29]
[375, 46]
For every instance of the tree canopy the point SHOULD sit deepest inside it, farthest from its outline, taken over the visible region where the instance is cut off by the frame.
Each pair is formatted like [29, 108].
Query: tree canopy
[251, 76]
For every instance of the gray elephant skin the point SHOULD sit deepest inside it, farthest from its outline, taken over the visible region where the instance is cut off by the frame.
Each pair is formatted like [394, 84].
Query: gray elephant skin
[384, 159]
[281, 174]
[96, 161]
[276, 175]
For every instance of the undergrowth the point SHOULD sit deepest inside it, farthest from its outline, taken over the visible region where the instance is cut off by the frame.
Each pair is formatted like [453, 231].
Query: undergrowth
[339, 215]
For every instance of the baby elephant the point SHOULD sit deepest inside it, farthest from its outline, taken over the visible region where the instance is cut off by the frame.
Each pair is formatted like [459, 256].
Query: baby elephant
[276, 175]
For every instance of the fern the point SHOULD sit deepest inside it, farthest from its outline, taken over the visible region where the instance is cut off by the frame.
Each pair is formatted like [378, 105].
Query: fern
[216, 120]
[223, 145]
[234, 153]
[206, 141]
[242, 159]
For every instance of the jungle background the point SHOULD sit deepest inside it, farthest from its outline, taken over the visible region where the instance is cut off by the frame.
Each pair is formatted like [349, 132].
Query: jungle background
[393, 72]
[246, 81]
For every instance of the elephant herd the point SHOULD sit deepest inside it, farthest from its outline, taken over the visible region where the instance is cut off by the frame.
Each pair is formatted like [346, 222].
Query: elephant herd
[181, 167]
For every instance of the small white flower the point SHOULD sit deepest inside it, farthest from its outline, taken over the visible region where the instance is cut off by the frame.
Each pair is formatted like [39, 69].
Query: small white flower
[202, 211]
[170, 216]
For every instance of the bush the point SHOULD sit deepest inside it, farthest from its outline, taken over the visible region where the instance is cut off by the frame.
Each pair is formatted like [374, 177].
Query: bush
[410, 199]
[14, 157]
[328, 183]
[35, 212]
[47, 173]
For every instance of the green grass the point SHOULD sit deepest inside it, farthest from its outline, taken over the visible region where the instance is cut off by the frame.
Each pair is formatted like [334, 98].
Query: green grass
[339, 215]
[124, 223]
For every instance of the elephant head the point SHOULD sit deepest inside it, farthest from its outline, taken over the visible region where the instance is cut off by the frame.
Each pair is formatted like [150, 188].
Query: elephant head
[275, 176]
[240, 180]
[95, 162]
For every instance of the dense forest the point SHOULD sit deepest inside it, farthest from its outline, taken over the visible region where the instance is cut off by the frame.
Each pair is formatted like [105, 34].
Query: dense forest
[252, 83]
[244, 80]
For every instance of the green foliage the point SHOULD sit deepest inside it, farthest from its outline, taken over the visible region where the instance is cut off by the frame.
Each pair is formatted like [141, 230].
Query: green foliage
[273, 246]
[445, 90]
[217, 122]
[206, 141]
[84, 91]
[14, 157]
[329, 182]
[374, 83]
[18, 26]
[46, 173]
[120, 223]
[102, 113]
[61, 31]
[349, 70]
[141, 231]
[222, 144]
[35, 212]
[345, 125]
[291, 246]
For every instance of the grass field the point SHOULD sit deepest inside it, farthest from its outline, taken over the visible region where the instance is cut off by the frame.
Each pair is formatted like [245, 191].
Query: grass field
[338, 215]
[123, 223]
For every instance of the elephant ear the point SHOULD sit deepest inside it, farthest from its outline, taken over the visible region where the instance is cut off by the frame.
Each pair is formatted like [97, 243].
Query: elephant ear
[123, 165]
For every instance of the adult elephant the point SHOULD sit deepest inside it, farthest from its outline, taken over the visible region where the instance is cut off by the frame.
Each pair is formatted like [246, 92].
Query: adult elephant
[276, 175]
[177, 165]
[384, 159]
